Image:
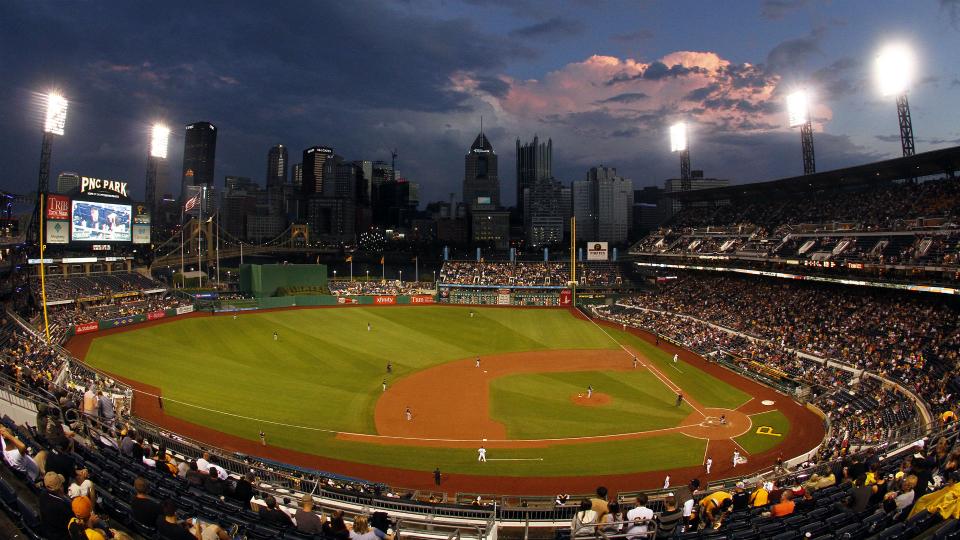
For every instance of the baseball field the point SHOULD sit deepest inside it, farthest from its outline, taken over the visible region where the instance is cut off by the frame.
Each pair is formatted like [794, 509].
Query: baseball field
[556, 400]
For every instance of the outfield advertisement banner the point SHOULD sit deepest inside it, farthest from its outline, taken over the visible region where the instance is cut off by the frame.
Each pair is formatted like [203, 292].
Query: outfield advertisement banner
[422, 299]
[566, 297]
[346, 300]
[58, 232]
[183, 310]
[384, 300]
[86, 328]
[122, 321]
[154, 315]
[597, 251]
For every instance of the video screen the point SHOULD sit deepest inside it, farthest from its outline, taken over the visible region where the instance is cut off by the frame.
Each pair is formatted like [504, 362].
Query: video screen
[100, 222]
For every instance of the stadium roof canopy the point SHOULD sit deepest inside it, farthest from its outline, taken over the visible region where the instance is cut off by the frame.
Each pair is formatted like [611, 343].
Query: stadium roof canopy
[944, 161]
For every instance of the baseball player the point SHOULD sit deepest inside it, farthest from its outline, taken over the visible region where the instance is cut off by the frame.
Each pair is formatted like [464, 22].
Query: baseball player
[589, 392]
[384, 385]
[263, 438]
[368, 327]
[709, 464]
[408, 414]
[389, 367]
[635, 362]
[736, 457]
[676, 356]
[679, 399]
[482, 454]
[666, 482]
[275, 336]
[478, 362]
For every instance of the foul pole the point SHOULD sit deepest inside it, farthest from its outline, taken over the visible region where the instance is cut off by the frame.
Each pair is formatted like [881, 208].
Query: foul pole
[573, 260]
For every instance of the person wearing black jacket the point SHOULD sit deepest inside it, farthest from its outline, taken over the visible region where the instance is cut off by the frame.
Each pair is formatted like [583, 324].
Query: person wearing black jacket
[243, 491]
[55, 510]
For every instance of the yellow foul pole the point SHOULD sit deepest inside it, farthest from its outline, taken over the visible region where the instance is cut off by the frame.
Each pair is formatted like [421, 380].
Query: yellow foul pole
[43, 281]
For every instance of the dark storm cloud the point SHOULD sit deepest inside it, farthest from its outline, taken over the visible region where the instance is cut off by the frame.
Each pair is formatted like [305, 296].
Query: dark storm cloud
[777, 9]
[656, 71]
[551, 28]
[629, 97]
[321, 73]
[791, 54]
[840, 78]
[632, 37]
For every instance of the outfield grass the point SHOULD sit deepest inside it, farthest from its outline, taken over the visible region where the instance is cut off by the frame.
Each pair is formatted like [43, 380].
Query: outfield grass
[756, 443]
[324, 373]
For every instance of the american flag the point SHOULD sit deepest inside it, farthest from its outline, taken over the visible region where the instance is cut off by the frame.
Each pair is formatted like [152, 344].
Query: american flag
[195, 200]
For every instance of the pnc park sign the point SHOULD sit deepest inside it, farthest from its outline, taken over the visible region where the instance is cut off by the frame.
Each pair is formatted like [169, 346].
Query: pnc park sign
[88, 183]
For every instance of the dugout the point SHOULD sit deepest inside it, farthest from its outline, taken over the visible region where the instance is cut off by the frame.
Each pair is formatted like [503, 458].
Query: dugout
[263, 280]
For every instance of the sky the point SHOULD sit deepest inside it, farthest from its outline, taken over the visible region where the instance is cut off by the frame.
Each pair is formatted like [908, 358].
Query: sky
[603, 78]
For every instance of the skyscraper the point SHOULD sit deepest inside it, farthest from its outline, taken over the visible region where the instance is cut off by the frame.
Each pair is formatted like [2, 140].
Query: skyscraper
[481, 183]
[603, 206]
[67, 181]
[298, 175]
[199, 154]
[312, 169]
[534, 162]
[277, 164]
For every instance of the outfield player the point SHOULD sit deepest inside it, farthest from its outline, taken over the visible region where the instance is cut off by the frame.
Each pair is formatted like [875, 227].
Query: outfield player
[482, 454]
[275, 336]
[384, 385]
[263, 438]
[389, 367]
[368, 327]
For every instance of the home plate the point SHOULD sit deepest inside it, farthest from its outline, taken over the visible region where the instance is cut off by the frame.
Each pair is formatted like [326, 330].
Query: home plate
[484, 371]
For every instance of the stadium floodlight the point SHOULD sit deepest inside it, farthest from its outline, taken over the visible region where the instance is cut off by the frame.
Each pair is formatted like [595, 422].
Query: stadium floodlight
[56, 114]
[159, 136]
[798, 108]
[678, 137]
[894, 69]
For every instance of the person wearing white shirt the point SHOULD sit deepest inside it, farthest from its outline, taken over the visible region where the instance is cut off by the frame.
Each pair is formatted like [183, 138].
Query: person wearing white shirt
[16, 456]
[81, 486]
[641, 516]
[203, 463]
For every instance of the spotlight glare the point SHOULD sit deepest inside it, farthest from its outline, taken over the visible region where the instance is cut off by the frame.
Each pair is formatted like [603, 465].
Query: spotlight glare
[894, 69]
[56, 114]
[798, 108]
[159, 136]
[678, 137]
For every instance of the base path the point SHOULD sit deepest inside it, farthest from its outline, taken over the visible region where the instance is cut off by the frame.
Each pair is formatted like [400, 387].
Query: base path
[450, 403]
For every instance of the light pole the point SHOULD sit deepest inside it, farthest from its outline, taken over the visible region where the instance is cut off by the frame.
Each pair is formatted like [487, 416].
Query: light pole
[894, 72]
[798, 114]
[401, 276]
[368, 275]
[334, 275]
[55, 122]
[678, 143]
[159, 139]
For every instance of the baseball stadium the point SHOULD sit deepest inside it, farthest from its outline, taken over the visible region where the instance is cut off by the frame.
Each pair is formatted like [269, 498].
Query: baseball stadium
[323, 359]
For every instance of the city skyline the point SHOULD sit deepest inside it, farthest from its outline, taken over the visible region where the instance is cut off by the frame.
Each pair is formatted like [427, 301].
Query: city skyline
[603, 80]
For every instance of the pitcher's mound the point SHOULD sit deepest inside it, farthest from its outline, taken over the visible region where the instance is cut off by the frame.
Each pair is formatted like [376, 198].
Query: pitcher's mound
[597, 399]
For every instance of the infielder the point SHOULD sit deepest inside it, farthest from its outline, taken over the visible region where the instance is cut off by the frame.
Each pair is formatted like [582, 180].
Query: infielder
[709, 464]
[408, 414]
[676, 356]
[384, 385]
[589, 392]
[482, 454]
[635, 362]
[478, 362]
[736, 457]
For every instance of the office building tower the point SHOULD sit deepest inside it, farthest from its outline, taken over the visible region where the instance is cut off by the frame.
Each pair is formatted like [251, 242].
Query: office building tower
[481, 182]
[277, 165]
[534, 163]
[199, 155]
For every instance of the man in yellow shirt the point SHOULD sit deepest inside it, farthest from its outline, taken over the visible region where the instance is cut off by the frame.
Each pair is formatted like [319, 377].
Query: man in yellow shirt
[760, 496]
[712, 506]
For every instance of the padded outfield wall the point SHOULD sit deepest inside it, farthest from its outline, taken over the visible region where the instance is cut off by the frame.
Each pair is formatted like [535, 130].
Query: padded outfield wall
[263, 280]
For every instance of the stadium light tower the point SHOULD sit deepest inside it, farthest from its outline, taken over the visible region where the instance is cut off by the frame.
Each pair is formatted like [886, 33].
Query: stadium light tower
[54, 124]
[159, 137]
[894, 72]
[798, 114]
[678, 143]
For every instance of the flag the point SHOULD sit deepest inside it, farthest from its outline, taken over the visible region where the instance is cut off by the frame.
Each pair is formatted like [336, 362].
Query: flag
[193, 201]
[350, 258]
[381, 260]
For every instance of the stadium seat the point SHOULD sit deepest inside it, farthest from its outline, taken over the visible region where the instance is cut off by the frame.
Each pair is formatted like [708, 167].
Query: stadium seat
[893, 532]
[789, 535]
[746, 534]
[8, 498]
[949, 530]
[813, 529]
[853, 530]
[296, 535]
[29, 519]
